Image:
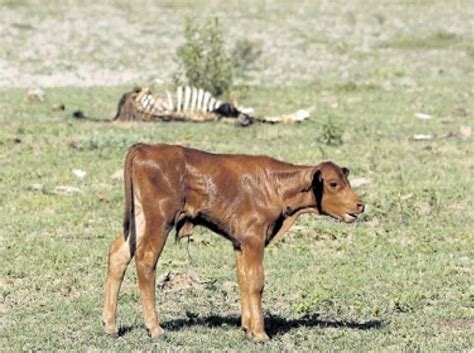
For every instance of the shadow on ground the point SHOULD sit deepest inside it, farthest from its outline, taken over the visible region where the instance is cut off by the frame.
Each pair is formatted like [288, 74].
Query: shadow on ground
[275, 325]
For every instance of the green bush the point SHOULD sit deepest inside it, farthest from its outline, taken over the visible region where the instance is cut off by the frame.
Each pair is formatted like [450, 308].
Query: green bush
[331, 133]
[203, 60]
[245, 53]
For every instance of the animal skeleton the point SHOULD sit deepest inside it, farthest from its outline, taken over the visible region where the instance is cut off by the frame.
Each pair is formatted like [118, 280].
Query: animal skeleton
[191, 101]
[191, 104]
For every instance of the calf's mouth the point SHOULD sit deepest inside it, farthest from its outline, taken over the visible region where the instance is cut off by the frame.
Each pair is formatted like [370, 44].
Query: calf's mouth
[350, 217]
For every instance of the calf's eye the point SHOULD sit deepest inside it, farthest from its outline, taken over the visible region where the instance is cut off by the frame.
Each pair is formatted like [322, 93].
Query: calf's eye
[333, 184]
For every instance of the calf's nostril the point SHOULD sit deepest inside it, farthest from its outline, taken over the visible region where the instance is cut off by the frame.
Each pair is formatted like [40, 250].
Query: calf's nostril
[361, 206]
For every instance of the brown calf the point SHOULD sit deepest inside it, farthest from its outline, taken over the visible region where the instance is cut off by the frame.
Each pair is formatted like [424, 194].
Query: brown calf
[247, 199]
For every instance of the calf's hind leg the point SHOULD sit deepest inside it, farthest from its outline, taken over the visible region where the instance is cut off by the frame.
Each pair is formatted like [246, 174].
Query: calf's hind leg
[146, 258]
[118, 259]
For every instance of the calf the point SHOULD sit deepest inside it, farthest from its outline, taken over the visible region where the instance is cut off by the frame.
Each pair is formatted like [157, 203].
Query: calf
[247, 199]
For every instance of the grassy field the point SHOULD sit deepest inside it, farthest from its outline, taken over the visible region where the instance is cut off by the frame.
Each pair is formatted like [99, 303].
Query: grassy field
[400, 279]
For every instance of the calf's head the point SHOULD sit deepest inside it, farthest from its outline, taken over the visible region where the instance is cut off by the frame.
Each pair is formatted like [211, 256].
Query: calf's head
[334, 194]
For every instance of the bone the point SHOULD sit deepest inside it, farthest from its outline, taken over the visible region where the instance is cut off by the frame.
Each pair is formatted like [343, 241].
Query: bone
[164, 105]
[179, 95]
[35, 95]
[246, 110]
[205, 102]
[194, 95]
[169, 106]
[423, 116]
[144, 101]
[187, 98]
[140, 96]
[422, 137]
[66, 190]
[212, 103]
[151, 103]
[199, 100]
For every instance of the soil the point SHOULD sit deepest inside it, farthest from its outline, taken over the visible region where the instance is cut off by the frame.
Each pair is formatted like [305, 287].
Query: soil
[82, 43]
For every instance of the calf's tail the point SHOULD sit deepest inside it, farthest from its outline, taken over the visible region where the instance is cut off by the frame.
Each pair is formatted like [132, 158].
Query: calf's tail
[129, 228]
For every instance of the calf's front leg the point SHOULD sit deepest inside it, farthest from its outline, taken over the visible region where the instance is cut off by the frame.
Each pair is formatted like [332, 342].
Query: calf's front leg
[245, 316]
[252, 256]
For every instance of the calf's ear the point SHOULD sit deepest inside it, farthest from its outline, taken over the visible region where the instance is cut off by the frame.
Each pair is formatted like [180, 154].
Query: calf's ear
[318, 188]
[316, 176]
[345, 171]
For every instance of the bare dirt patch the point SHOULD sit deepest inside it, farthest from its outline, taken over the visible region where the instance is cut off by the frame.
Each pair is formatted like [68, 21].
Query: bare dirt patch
[82, 44]
[173, 281]
[457, 324]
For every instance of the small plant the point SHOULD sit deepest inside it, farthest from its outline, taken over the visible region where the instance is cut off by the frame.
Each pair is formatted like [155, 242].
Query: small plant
[409, 301]
[245, 53]
[311, 301]
[349, 86]
[331, 133]
[203, 60]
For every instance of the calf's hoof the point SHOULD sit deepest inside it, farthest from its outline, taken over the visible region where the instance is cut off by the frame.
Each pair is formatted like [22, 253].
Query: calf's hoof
[112, 333]
[157, 334]
[158, 338]
[260, 338]
[257, 337]
[110, 330]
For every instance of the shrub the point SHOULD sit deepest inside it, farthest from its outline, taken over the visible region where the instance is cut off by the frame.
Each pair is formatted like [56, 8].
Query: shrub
[245, 53]
[331, 133]
[202, 60]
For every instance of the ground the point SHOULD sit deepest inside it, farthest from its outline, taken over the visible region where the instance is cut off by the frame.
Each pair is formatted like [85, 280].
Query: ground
[400, 279]
[108, 43]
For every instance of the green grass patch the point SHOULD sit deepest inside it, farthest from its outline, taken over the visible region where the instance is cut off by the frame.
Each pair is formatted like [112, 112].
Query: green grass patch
[437, 40]
[400, 279]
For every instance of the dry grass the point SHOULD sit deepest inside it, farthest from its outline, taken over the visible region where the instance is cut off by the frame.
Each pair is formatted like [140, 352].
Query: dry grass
[398, 280]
